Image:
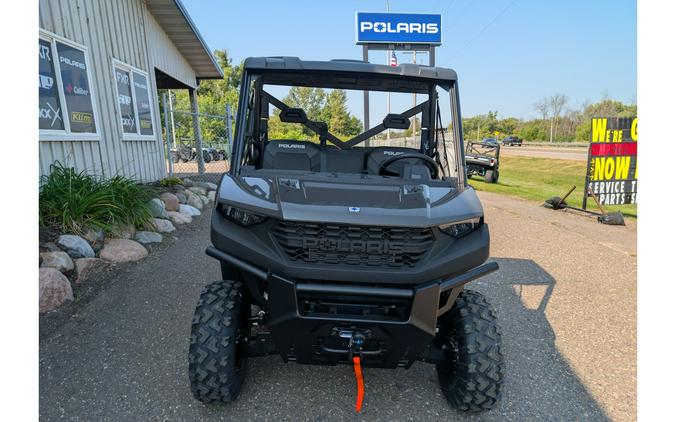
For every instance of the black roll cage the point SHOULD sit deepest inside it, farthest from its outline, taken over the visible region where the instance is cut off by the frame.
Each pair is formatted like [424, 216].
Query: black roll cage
[428, 109]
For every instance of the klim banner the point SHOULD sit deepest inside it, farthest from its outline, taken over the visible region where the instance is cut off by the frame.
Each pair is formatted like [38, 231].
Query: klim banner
[612, 170]
[398, 28]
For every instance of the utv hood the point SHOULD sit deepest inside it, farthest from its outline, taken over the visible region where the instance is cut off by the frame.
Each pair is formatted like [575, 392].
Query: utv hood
[327, 200]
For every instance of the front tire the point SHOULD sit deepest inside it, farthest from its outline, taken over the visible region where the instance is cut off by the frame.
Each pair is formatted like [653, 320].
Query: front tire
[489, 176]
[216, 366]
[472, 374]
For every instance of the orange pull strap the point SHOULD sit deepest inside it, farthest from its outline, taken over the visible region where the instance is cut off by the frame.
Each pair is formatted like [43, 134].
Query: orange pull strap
[360, 391]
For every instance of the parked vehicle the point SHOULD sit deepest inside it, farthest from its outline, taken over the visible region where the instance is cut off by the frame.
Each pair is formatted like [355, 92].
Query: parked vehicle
[512, 141]
[186, 153]
[490, 141]
[482, 159]
[333, 252]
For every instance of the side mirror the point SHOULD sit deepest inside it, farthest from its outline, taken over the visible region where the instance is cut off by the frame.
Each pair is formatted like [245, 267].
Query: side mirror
[395, 121]
[293, 115]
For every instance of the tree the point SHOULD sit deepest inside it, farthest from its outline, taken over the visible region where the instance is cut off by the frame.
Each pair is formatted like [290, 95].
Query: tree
[556, 103]
[336, 115]
[330, 108]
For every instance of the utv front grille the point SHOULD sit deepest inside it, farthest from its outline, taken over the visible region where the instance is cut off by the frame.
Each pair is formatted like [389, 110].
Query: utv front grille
[353, 245]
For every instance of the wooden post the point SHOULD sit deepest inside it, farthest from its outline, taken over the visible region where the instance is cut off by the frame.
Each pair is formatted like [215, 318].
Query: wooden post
[197, 130]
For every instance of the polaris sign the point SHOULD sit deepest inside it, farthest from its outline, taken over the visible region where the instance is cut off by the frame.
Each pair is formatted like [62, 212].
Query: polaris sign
[398, 28]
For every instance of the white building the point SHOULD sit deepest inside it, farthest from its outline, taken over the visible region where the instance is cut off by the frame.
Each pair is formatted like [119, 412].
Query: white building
[101, 63]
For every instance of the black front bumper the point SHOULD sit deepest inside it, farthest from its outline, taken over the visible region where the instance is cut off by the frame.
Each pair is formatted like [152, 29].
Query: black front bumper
[446, 257]
[307, 320]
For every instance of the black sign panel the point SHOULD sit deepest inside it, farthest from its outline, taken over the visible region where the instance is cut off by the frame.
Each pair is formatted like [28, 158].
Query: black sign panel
[612, 170]
[125, 101]
[76, 89]
[50, 115]
[143, 103]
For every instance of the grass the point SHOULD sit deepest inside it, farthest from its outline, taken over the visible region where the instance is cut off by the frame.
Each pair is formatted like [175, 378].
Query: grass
[538, 179]
[73, 202]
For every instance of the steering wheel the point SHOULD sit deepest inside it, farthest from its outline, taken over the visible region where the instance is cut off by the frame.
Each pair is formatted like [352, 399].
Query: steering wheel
[428, 161]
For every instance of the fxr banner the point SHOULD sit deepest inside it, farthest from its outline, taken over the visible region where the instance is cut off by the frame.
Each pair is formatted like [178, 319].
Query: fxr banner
[612, 169]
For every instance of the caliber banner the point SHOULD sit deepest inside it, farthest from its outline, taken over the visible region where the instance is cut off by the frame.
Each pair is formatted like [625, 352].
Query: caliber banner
[612, 161]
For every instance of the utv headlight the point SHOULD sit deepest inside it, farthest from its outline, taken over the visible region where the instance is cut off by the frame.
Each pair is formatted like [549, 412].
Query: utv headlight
[241, 217]
[460, 228]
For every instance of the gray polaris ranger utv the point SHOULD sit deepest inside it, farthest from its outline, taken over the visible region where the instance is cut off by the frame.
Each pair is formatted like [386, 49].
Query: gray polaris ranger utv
[348, 249]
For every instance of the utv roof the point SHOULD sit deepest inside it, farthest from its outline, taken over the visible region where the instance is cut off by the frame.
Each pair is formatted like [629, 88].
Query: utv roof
[350, 66]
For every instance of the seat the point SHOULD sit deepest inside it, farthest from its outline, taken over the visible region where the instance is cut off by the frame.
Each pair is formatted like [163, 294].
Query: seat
[379, 154]
[343, 161]
[291, 155]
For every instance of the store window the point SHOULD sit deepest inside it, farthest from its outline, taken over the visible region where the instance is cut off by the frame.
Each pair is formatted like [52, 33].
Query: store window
[133, 100]
[66, 102]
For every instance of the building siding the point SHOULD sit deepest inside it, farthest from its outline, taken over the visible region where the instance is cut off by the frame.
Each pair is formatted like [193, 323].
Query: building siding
[123, 30]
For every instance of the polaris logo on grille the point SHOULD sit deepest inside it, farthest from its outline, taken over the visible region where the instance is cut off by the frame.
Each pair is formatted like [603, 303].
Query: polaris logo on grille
[354, 209]
[353, 246]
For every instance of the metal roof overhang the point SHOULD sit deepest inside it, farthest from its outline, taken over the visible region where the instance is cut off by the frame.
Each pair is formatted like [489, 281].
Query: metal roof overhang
[182, 31]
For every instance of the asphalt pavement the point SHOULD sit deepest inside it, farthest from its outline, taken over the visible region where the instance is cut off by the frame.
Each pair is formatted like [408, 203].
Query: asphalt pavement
[565, 298]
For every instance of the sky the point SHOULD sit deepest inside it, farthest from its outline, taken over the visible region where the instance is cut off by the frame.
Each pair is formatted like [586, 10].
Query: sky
[507, 54]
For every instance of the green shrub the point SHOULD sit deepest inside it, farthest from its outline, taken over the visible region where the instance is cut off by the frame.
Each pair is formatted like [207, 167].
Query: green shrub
[170, 181]
[72, 202]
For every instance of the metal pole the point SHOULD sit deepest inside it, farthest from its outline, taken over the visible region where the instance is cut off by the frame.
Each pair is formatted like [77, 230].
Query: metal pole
[197, 130]
[366, 101]
[228, 116]
[173, 127]
[388, 92]
[414, 96]
[167, 129]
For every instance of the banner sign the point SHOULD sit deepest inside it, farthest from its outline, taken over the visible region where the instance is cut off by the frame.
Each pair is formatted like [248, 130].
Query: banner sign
[612, 161]
[76, 88]
[50, 105]
[398, 28]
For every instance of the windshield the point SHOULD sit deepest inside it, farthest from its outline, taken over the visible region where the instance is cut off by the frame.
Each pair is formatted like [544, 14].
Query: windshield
[316, 124]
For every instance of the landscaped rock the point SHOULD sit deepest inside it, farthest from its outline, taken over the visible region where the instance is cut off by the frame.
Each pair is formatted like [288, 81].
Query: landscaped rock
[197, 190]
[162, 226]
[95, 236]
[85, 267]
[157, 208]
[179, 217]
[123, 250]
[182, 197]
[124, 231]
[188, 182]
[49, 247]
[204, 199]
[58, 260]
[207, 185]
[211, 195]
[75, 246]
[189, 210]
[170, 201]
[194, 201]
[147, 238]
[55, 289]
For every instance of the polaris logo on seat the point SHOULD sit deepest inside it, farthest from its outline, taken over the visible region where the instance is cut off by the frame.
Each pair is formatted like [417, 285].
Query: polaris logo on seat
[400, 28]
[291, 146]
[392, 152]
